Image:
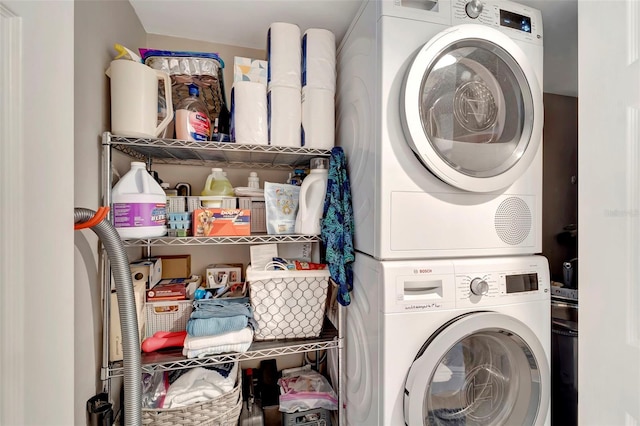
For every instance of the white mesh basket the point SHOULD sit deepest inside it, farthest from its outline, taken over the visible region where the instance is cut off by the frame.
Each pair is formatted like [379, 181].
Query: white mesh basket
[176, 205]
[288, 304]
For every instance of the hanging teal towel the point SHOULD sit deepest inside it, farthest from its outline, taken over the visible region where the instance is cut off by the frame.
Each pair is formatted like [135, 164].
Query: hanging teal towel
[337, 226]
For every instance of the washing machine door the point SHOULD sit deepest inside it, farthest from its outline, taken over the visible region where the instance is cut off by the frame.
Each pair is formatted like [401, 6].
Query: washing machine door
[481, 368]
[472, 108]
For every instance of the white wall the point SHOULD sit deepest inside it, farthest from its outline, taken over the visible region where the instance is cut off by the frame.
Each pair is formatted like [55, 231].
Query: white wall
[45, 394]
[609, 213]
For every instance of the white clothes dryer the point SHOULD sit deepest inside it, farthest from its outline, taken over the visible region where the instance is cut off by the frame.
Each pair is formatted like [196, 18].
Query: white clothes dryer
[449, 342]
[440, 113]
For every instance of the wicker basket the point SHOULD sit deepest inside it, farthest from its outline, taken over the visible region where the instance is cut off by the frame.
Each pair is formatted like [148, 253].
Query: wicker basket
[221, 411]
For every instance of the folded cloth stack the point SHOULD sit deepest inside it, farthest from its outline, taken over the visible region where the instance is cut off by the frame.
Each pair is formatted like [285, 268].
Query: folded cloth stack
[199, 385]
[219, 325]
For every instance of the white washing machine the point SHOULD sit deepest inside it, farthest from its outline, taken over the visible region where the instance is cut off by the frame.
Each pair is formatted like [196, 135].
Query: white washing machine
[440, 113]
[449, 342]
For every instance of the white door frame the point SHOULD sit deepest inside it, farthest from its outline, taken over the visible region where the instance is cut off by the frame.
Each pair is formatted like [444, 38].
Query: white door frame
[12, 245]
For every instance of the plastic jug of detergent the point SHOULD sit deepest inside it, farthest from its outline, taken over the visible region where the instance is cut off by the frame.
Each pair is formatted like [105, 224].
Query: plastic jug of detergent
[217, 184]
[139, 204]
[312, 194]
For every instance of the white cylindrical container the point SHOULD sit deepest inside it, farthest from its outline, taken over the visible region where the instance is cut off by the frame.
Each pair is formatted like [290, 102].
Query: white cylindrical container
[285, 115]
[319, 59]
[139, 204]
[249, 113]
[253, 181]
[311, 201]
[283, 55]
[318, 118]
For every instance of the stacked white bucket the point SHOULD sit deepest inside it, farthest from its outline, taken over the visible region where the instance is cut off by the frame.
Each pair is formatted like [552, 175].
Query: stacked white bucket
[301, 80]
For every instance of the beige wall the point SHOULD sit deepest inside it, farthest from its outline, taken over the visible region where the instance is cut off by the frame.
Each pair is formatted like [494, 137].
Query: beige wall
[98, 25]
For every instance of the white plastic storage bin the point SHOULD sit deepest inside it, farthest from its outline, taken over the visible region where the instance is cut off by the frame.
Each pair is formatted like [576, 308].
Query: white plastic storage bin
[167, 315]
[288, 304]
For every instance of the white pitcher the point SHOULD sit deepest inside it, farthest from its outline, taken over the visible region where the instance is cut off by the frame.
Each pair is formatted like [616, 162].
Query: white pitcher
[134, 99]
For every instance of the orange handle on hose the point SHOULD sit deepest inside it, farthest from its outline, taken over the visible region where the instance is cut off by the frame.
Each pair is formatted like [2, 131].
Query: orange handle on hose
[96, 219]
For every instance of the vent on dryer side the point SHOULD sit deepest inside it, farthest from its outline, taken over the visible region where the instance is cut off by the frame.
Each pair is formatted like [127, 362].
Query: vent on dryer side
[513, 220]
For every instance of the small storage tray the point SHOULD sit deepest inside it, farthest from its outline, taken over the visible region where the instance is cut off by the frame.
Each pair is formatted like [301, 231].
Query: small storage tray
[288, 304]
[167, 315]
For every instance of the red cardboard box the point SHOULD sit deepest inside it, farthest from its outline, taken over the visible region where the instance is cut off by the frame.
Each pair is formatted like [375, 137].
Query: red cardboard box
[216, 222]
[174, 289]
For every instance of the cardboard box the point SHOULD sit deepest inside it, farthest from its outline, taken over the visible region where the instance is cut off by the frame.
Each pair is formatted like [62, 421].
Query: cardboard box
[177, 266]
[215, 222]
[168, 290]
[174, 289]
[115, 329]
[249, 69]
[147, 270]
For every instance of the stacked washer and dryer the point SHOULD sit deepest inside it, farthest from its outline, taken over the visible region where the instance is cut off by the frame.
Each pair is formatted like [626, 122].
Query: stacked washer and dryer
[440, 113]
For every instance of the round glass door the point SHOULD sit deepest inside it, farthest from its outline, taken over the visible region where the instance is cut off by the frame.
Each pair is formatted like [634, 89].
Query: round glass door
[473, 109]
[496, 374]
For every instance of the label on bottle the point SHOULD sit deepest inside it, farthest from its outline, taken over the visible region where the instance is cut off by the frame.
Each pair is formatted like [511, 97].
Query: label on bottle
[127, 215]
[196, 125]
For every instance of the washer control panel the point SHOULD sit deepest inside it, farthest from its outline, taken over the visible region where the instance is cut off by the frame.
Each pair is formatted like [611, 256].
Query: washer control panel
[426, 285]
[476, 287]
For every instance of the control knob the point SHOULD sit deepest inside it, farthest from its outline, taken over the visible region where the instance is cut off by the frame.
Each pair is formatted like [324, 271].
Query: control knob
[479, 287]
[473, 9]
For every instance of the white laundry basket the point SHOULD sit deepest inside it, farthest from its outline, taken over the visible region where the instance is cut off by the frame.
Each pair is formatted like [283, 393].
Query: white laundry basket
[288, 304]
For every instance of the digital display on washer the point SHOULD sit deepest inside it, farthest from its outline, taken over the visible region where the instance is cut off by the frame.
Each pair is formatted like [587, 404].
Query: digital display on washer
[522, 282]
[514, 20]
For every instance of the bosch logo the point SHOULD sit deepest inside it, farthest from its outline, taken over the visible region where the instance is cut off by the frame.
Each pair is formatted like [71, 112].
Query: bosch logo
[422, 271]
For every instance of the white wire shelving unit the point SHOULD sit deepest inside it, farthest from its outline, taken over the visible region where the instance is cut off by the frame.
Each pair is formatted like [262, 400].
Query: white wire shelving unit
[214, 154]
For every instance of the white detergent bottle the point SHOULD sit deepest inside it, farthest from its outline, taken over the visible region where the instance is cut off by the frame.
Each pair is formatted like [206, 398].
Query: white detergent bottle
[139, 204]
[311, 202]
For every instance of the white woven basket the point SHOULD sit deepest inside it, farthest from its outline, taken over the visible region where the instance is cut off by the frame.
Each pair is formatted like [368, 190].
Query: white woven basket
[288, 304]
[221, 411]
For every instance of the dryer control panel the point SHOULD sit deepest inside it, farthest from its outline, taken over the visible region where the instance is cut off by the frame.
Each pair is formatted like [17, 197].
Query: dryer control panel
[516, 20]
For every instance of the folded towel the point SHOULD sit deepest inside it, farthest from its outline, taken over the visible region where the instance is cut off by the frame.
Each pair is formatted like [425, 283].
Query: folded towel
[216, 350]
[337, 226]
[212, 326]
[241, 336]
[199, 385]
[208, 308]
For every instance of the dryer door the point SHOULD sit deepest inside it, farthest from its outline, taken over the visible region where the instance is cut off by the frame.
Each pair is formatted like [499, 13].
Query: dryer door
[472, 108]
[481, 368]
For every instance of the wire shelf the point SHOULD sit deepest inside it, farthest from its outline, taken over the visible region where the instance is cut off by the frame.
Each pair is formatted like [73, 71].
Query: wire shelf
[173, 359]
[197, 241]
[226, 154]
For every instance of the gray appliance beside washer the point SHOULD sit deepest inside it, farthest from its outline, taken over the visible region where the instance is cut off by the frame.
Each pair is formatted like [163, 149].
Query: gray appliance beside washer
[564, 356]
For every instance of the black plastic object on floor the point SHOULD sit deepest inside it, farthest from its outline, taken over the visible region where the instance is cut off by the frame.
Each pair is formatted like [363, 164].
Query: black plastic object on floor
[269, 388]
[99, 411]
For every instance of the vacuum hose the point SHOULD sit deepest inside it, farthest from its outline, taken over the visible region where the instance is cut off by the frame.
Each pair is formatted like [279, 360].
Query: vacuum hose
[127, 307]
